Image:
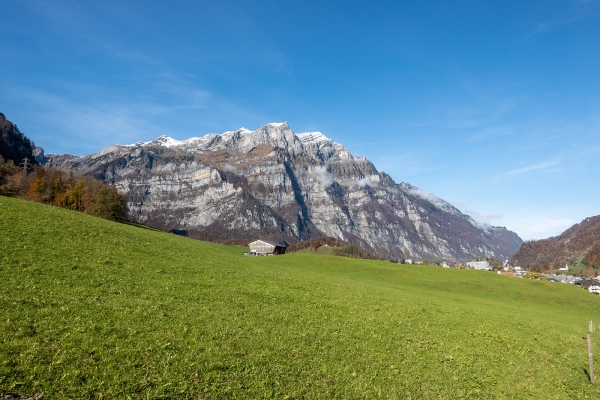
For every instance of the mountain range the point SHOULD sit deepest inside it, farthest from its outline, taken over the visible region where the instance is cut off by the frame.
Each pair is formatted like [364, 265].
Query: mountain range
[274, 184]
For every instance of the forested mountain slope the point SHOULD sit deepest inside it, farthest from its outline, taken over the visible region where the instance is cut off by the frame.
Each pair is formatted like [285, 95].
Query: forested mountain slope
[579, 242]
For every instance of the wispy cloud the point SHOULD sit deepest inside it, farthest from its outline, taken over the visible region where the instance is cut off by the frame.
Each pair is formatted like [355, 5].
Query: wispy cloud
[228, 168]
[85, 129]
[484, 219]
[86, 118]
[533, 167]
[468, 116]
[323, 175]
[436, 201]
[581, 10]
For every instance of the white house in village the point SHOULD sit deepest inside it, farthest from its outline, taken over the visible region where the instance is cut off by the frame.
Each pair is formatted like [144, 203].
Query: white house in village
[594, 289]
[565, 268]
[482, 265]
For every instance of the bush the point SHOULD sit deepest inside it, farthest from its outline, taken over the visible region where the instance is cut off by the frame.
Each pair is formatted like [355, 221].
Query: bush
[110, 204]
[535, 275]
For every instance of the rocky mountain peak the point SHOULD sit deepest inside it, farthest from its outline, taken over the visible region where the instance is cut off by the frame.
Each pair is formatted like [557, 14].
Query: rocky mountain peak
[166, 141]
[274, 184]
[312, 137]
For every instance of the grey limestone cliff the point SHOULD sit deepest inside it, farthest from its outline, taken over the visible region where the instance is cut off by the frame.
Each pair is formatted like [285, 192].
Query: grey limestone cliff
[284, 186]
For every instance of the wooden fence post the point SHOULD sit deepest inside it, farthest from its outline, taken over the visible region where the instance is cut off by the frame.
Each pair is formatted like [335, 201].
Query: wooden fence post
[591, 357]
[591, 326]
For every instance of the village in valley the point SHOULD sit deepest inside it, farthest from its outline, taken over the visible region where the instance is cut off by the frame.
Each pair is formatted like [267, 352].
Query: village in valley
[263, 247]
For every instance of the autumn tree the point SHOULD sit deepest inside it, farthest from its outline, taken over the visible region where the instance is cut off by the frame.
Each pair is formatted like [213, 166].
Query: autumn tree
[110, 204]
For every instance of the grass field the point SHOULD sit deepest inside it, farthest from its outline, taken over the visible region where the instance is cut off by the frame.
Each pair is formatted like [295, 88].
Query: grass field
[91, 309]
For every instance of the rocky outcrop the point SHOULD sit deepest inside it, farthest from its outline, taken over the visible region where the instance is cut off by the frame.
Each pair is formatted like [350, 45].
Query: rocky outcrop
[13, 144]
[284, 186]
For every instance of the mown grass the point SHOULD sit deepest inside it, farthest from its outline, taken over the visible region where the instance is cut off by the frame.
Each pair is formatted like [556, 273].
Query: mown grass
[95, 309]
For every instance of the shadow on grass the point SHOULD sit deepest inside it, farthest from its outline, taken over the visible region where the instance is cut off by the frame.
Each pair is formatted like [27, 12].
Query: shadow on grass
[140, 226]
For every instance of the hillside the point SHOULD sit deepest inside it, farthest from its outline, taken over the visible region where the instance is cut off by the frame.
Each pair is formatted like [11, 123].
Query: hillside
[577, 246]
[95, 309]
[278, 185]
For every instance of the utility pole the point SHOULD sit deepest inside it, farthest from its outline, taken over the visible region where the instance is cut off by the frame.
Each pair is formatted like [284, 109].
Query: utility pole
[26, 164]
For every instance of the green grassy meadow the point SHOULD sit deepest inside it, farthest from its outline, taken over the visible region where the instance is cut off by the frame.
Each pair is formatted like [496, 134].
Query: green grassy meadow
[91, 309]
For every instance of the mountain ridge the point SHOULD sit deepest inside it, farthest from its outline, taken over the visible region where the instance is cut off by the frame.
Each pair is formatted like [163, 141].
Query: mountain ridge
[276, 184]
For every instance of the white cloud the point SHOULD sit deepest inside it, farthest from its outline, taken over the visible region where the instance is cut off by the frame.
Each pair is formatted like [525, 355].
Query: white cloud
[484, 219]
[364, 182]
[228, 168]
[522, 170]
[436, 201]
[323, 175]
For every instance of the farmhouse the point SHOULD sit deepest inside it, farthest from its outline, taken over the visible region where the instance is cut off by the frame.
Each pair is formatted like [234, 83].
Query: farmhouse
[266, 248]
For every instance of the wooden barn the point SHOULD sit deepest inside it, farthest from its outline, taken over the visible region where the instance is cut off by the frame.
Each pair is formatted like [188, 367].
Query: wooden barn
[265, 248]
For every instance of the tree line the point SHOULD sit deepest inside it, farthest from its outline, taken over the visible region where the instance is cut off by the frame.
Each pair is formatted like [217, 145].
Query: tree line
[340, 248]
[62, 189]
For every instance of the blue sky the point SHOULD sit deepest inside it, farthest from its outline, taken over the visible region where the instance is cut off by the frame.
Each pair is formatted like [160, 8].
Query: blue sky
[493, 106]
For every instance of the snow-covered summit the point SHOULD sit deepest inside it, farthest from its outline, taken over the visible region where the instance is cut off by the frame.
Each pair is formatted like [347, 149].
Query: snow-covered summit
[166, 141]
[277, 124]
[275, 134]
[312, 137]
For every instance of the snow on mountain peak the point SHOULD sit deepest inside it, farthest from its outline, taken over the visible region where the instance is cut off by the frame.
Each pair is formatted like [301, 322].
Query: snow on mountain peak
[167, 141]
[312, 137]
[277, 124]
[272, 128]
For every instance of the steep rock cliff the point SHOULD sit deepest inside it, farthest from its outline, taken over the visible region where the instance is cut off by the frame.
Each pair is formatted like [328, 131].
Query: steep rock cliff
[284, 186]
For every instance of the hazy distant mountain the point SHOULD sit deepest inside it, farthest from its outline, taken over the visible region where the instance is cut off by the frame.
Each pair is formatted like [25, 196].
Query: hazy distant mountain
[275, 184]
[581, 242]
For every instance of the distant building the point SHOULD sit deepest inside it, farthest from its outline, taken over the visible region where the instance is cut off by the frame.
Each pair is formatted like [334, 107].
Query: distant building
[562, 278]
[483, 265]
[565, 268]
[409, 261]
[445, 265]
[266, 248]
[587, 282]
